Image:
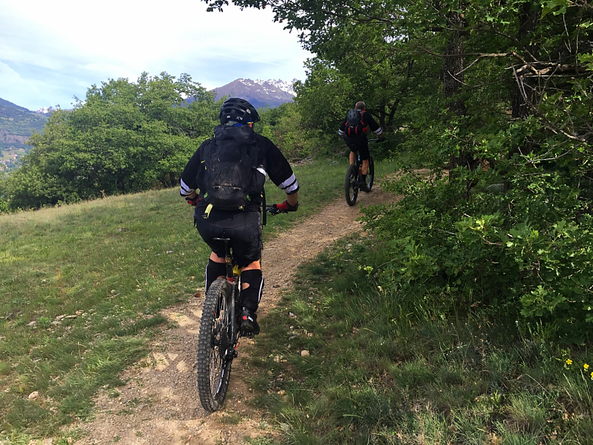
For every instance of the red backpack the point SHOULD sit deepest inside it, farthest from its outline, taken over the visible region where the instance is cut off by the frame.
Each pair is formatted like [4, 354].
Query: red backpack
[354, 123]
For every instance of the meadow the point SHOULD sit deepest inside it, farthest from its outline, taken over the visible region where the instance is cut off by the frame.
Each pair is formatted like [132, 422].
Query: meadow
[82, 286]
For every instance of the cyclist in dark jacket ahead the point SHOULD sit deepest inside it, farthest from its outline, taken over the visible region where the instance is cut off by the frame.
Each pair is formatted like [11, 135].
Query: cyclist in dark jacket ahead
[241, 226]
[359, 143]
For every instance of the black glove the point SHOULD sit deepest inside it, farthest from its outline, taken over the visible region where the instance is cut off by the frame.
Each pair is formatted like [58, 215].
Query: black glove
[284, 207]
[193, 201]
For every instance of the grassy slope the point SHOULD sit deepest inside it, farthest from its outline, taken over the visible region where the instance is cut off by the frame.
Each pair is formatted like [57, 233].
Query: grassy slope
[388, 368]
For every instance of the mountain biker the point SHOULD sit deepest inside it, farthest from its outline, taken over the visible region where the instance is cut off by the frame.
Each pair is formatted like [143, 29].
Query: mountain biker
[359, 142]
[241, 226]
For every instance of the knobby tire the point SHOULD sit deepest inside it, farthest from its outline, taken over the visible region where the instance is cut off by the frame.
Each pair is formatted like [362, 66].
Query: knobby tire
[351, 185]
[215, 352]
[370, 174]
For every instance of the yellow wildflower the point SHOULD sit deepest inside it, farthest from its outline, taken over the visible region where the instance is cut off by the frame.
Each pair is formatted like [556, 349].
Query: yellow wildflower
[568, 361]
[586, 366]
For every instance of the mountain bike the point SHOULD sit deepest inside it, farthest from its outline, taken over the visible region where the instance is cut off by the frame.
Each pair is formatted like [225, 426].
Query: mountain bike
[352, 183]
[353, 177]
[219, 334]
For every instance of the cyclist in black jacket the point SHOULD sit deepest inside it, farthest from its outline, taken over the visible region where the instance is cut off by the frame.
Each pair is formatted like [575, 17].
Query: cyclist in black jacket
[359, 142]
[241, 226]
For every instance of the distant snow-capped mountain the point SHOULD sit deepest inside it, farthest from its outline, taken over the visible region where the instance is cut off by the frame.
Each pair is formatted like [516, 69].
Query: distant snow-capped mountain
[259, 92]
[273, 84]
[46, 111]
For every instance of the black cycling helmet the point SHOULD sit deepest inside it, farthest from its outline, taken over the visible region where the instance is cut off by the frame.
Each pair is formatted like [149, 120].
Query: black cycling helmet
[237, 110]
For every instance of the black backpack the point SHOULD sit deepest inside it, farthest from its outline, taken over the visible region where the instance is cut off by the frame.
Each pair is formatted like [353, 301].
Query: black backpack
[228, 173]
[354, 123]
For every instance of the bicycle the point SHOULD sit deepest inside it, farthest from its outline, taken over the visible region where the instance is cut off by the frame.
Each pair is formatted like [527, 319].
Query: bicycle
[352, 184]
[218, 338]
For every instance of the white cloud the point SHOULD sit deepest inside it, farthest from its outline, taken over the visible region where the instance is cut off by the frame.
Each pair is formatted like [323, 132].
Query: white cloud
[56, 50]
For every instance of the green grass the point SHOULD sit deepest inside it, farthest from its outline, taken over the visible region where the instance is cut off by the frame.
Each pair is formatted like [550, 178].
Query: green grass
[81, 288]
[387, 368]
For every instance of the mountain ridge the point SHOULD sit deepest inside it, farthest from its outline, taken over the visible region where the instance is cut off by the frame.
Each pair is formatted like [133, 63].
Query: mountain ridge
[260, 93]
[17, 124]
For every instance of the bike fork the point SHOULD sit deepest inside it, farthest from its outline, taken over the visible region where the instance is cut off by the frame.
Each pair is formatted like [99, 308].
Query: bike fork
[235, 320]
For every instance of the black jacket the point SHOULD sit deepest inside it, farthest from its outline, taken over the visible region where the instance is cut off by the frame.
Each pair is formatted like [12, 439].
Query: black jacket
[270, 158]
[368, 121]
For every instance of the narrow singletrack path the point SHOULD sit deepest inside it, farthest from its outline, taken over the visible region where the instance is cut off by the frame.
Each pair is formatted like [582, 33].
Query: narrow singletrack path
[159, 405]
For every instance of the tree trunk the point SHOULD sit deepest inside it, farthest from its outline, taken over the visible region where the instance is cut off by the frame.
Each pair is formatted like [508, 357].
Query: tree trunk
[524, 92]
[453, 66]
[453, 84]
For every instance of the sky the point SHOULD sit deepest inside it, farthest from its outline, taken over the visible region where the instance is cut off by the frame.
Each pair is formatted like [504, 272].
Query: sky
[52, 51]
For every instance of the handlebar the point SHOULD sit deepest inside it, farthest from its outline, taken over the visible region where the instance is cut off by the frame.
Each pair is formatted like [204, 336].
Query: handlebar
[272, 210]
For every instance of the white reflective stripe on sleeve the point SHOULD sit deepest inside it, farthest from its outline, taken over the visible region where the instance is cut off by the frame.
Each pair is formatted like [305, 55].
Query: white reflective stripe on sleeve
[378, 131]
[262, 171]
[341, 133]
[290, 185]
[184, 190]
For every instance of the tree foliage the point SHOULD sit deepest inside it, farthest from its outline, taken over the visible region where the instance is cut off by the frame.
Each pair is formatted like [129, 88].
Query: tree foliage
[284, 126]
[125, 137]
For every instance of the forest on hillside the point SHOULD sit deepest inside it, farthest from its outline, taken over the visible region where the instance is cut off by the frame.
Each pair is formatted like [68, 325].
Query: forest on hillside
[16, 125]
[499, 93]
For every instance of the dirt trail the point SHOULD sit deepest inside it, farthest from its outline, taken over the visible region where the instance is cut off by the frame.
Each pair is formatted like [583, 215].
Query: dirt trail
[160, 406]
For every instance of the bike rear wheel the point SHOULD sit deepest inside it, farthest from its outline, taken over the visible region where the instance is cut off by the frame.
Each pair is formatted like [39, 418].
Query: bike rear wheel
[215, 345]
[370, 174]
[351, 185]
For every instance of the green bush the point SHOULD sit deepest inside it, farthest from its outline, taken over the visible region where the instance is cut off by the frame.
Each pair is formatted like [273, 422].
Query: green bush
[521, 244]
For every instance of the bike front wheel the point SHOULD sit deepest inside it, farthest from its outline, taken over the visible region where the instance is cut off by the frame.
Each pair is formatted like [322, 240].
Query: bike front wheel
[370, 175]
[215, 345]
[351, 185]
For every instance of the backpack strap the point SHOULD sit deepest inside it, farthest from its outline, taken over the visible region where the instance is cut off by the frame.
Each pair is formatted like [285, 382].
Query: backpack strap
[364, 126]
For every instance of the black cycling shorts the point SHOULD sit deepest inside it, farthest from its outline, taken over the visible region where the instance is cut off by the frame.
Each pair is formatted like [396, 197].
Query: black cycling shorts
[243, 228]
[359, 144]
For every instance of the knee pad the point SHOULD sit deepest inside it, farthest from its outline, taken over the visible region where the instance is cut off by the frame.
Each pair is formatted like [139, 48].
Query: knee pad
[251, 296]
[213, 271]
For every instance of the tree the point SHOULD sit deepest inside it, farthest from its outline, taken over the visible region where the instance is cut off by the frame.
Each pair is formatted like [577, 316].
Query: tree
[125, 137]
[284, 126]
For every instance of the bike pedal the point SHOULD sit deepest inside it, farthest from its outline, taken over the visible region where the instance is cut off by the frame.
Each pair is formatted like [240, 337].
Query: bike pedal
[248, 334]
